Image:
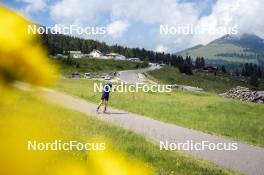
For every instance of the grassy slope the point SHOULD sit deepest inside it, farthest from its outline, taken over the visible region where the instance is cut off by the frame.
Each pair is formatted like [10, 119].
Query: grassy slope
[97, 65]
[76, 126]
[202, 111]
[209, 82]
[210, 51]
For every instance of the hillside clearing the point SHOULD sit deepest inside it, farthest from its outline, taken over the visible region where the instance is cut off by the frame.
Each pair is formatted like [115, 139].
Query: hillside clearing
[219, 83]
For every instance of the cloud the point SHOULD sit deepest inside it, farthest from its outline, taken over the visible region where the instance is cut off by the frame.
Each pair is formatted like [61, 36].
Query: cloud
[241, 13]
[113, 13]
[122, 15]
[33, 5]
[117, 28]
[160, 48]
[156, 11]
[80, 11]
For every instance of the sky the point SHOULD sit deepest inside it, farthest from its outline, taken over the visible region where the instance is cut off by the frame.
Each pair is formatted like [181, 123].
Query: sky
[160, 25]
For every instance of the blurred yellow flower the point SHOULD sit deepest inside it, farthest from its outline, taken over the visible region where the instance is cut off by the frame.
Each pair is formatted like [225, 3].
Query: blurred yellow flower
[23, 59]
[112, 163]
[21, 56]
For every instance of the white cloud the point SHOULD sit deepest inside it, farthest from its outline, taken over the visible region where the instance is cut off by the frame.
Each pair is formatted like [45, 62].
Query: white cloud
[156, 11]
[95, 12]
[243, 13]
[117, 28]
[33, 5]
[79, 11]
[161, 48]
[121, 15]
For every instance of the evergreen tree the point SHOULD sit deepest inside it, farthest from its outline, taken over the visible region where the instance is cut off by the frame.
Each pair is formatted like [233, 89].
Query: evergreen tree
[254, 80]
[187, 66]
[199, 62]
[223, 69]
[188, 61]
[202, 62]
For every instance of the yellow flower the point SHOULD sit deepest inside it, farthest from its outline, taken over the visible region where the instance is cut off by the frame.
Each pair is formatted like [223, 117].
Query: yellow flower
[109, 162]
[22, 57]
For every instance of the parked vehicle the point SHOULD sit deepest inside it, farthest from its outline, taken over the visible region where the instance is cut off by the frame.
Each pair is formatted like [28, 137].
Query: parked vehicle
[76, 75]
[107, 78]
[87, 75]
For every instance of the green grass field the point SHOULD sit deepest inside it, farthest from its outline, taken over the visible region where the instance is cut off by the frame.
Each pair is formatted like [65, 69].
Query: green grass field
[98, 65]
[201, 111]
[208, 81]
[73, 125]
[211, 51]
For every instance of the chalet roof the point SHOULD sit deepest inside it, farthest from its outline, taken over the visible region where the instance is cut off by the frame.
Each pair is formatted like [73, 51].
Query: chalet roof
[75, 52]
[113, 54]
[98, 51]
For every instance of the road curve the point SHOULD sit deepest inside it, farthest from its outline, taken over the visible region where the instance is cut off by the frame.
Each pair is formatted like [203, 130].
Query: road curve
[135, 76]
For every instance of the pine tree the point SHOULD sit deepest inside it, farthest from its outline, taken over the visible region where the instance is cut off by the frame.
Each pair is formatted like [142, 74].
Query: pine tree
[223, 69]
[254, 80]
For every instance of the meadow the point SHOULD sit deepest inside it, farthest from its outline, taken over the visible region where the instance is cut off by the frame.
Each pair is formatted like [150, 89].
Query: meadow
[93, 65]
[64, 124]
[208, 81]
[206, 112]
[212, 50]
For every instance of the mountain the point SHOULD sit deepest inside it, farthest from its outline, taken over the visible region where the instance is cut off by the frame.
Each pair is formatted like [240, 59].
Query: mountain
[195, 47]
[246, 48]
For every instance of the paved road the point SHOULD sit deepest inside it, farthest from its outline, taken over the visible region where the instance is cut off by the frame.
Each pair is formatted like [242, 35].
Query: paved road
[135, 76]
[247, 159]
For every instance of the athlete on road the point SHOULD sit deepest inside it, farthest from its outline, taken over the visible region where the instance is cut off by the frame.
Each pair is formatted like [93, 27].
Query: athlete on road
[105, 96]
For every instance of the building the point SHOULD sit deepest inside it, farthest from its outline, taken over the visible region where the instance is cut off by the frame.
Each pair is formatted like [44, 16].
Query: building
[96, 54]
[134, 59]
[210, 69]
[76, 54]
[115, 56]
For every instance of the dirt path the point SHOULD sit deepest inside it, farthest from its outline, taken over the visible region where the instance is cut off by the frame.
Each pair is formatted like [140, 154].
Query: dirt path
[247, 159]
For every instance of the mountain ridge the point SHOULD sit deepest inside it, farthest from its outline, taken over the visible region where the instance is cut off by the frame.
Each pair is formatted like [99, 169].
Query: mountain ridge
[245, 48]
